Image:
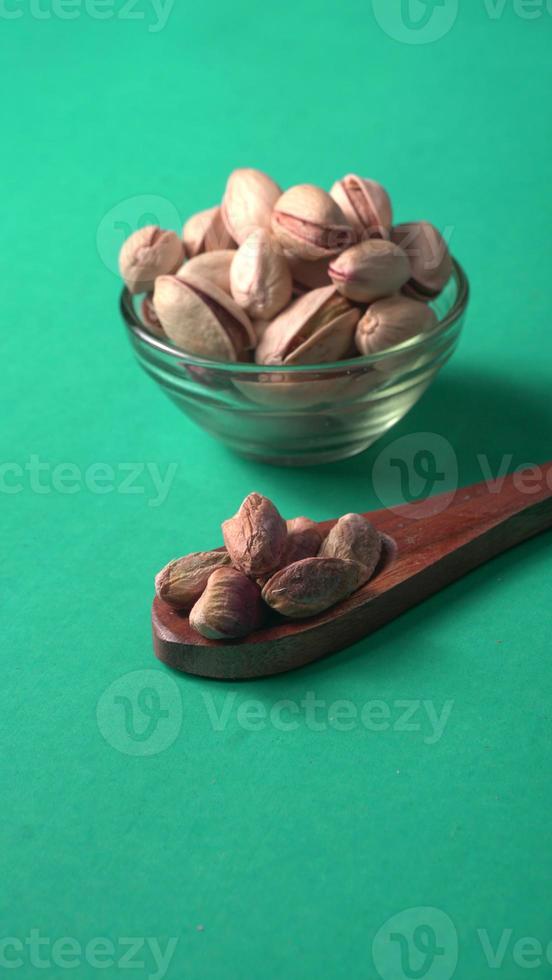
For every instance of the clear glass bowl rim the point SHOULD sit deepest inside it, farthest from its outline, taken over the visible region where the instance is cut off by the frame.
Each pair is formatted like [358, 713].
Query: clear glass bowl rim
[356, 363]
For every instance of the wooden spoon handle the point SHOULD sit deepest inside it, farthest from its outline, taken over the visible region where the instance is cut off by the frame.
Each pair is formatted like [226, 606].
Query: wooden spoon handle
[478, 523]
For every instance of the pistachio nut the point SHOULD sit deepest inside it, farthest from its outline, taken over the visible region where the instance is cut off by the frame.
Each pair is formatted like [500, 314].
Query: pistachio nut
[230, 606]
[430, 259]
[201, 319]
[309, 224]
[248, 201]
[365, 204]
[304, 539]
[317, 328]
[206, 232]
[149, 316]
[256, 537]
[309, 275]
[260, 278]
[214, 266]
[148, 253]
[310, 586]
[353, 538]
[181, 582]
[369, 271]
[392, 321]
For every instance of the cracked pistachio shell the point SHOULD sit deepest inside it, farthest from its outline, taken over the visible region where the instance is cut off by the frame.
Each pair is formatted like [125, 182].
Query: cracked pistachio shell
[256, 536]
[206, 232]
[214, 266]
[317, 328]
[430, 260]
[202, 319]
[181, 582]
[260, 278]
[369, 271]
[354, 538]
[312, 585]
[392, 321]
[365, 204]
[230, 606]
[248, 201]
[309, 224]
[310, 275]
[148, 253]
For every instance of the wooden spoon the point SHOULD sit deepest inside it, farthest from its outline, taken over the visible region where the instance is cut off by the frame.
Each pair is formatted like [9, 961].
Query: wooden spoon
[421, 556]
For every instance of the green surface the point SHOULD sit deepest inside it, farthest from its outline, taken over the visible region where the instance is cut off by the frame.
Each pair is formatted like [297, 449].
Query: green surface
[290, 847]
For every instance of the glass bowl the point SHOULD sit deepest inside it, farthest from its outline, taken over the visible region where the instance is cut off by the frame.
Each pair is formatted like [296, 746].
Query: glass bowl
[301, 415]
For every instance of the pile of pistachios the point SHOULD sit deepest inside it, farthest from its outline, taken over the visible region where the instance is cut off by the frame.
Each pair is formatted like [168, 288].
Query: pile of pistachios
[268, 563]
[289, 277]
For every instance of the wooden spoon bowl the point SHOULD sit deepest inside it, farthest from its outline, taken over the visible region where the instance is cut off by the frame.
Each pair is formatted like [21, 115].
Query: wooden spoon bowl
[421, 555]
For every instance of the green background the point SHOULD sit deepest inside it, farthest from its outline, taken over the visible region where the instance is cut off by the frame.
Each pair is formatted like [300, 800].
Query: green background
[290, 848]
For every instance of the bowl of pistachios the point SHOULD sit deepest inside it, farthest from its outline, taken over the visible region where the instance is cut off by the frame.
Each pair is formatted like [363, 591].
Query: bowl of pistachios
[294, 326]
